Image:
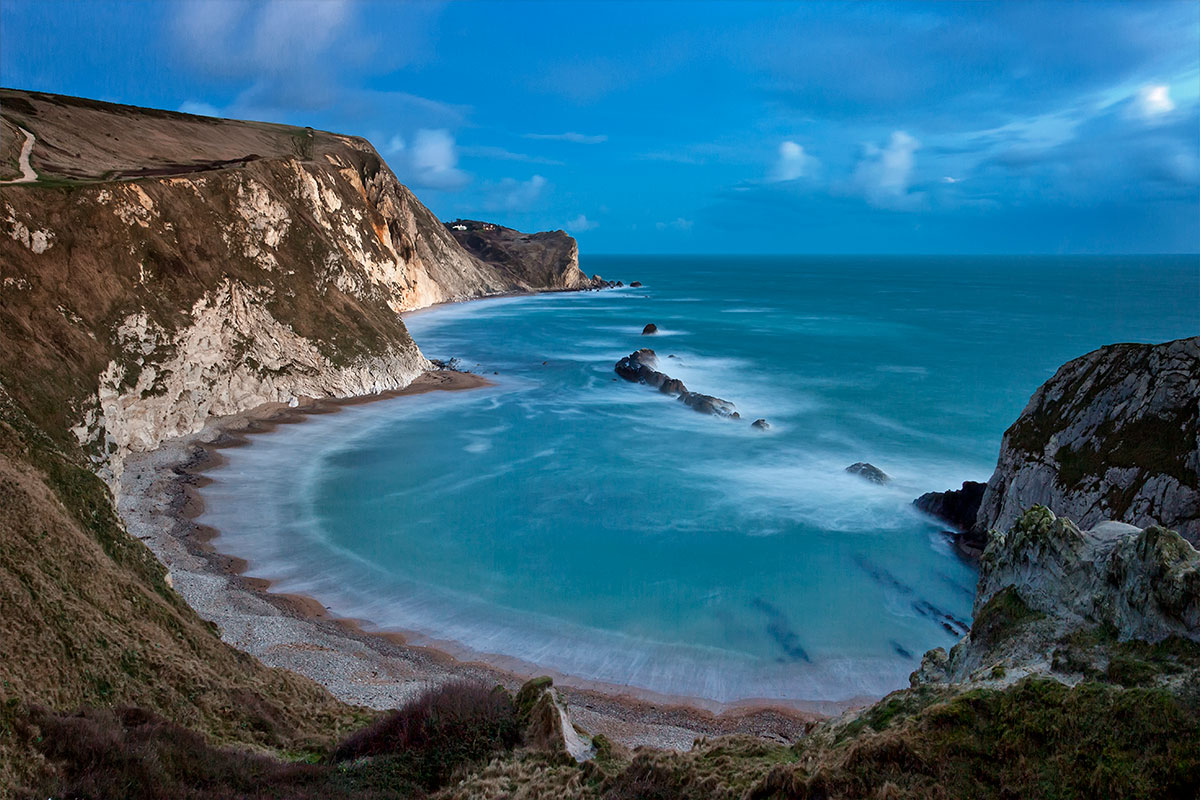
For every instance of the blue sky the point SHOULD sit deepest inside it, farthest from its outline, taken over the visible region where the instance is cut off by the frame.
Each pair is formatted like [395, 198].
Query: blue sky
[699, 127]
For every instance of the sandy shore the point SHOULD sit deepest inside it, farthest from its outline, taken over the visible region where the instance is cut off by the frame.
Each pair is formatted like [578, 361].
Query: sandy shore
[159, 502]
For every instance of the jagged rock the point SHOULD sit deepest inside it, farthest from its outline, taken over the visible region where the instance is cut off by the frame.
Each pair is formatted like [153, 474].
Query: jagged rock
[650, 328]
[868, 472]
[638, 367]
[1115, 434]
[1044, 583]
[761, 424]
[546, 724]
[958, 507]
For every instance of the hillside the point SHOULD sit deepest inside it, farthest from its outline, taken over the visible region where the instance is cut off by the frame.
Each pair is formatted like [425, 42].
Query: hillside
[164, 269]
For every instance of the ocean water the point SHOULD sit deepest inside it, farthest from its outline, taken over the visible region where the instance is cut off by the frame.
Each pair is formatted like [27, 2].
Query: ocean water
[602, 530]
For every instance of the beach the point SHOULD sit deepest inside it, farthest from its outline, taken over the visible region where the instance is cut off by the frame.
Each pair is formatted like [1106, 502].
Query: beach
[159, 503]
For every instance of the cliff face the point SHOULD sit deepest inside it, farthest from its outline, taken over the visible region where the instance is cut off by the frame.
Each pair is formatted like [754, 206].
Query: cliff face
[1114, 435]
[1054, 600]
[166, 268]
[549, 259]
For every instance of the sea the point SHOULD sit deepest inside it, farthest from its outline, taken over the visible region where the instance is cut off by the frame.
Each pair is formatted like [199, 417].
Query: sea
[573, 522]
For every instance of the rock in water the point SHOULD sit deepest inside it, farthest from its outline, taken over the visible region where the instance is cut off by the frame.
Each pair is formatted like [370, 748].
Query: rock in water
[636, 285]
[650, 328]
[868, 472]
[638, 367]
[959, 507]
[761, 424]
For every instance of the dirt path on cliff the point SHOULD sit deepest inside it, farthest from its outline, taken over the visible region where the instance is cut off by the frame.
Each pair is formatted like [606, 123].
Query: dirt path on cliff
[27, 173]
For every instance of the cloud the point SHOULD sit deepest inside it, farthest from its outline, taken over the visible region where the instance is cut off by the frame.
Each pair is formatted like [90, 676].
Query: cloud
[580, 224]
[793, 162]
[513, 195]
[950, 179]
[394, 146]
[884, 173]
[500, 154]
[433, 161]
[678, 224]
[1154, 101]
[569, 136]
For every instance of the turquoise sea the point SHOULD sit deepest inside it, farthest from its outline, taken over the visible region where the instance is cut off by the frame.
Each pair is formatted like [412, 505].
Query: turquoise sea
[603, 530]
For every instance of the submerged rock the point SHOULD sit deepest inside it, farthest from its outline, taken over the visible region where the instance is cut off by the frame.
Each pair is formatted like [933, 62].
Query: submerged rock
[868, 472]
[650, 328]
[639, 367]
[761, 424]
[636, 285]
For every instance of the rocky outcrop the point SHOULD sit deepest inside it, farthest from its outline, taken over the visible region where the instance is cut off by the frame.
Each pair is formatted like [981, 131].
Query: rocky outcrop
[528, 261]
[1114, 435]
[546, 724]
[868, 472]
[649, 329]
[639, 367]
[165, 268]
[959, 508]
[1056, 600]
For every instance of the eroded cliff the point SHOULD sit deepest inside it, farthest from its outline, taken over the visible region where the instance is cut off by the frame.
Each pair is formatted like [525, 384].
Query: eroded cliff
[165, 268]
[1114, 435]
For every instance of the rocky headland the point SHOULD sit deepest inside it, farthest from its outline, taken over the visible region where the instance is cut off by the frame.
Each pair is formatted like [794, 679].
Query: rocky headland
[1114, 435]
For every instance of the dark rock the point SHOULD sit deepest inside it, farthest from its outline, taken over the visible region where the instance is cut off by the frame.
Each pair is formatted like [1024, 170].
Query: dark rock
[761, 424]
[959, 507]
[650, 328]
[868, 472]
[638, 367]
[636, 285]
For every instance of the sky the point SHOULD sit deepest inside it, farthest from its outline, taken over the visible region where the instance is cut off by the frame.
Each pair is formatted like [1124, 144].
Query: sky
[720, 127]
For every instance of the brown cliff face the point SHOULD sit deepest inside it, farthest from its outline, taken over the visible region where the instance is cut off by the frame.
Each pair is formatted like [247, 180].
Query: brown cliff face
[546, 260]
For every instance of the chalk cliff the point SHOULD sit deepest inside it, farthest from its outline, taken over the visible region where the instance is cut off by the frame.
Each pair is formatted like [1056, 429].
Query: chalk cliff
[165, 268]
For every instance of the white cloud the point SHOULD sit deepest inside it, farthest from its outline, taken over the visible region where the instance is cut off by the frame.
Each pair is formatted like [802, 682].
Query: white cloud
[581, 223]
[513, 195]
[1154, 101]
[500, 154]
[434, 161]
[678, 224]
[394, 146]
[201, 108]
[884, 173]
[949, 179]
[569, 136]
[793, 162]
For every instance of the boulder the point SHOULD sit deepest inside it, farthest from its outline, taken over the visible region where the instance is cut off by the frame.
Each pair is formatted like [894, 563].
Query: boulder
[761, 424]
[649, 329]
[636, 285]
[868, 472]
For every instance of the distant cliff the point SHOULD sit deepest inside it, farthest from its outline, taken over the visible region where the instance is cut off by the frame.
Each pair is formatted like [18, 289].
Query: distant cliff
[165, 268]
[548, 260]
